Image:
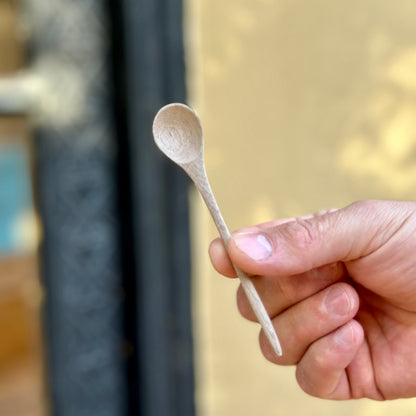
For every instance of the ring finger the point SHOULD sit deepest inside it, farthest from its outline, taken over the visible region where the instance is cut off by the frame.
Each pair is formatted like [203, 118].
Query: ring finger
[307, 321]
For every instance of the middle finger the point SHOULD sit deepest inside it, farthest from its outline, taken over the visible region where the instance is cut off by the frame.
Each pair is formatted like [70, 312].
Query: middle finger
[279, 293]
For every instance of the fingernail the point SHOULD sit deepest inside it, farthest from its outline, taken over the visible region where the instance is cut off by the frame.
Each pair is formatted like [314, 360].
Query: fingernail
[254, 245]
[344, 335]
[337, 302]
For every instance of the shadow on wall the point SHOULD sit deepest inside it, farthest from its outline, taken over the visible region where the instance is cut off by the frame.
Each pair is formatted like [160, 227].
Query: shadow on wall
[384, 147]
[290, 80]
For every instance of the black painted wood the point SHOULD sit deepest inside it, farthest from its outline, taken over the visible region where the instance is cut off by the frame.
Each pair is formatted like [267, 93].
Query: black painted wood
[149, 67]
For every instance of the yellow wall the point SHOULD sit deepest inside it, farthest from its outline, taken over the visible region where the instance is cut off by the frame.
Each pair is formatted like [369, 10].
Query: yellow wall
[306, 104]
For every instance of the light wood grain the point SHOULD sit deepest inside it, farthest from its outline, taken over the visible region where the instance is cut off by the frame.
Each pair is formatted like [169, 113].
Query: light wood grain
[178, 133]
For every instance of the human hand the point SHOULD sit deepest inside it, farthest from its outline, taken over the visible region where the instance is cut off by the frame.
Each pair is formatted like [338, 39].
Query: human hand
[340, 287]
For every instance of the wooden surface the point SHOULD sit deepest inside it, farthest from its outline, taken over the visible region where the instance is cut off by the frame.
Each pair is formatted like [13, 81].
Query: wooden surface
[11, 57]
[22, 386]
[21, 362]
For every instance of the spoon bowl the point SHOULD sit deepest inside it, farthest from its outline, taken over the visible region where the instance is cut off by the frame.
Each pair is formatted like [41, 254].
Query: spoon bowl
[178, 133]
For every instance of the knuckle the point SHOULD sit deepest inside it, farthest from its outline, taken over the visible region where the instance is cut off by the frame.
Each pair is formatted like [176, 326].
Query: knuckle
[369, 204]
[319, 362]
[303, 232]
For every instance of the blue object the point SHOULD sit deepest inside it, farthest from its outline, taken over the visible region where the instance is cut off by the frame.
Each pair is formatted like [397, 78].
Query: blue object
[15, 193]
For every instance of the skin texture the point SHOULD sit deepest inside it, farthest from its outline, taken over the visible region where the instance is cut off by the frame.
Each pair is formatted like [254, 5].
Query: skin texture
[340, 287]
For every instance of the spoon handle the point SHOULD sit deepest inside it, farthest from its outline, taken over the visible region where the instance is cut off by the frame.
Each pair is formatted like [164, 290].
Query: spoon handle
[200, 179]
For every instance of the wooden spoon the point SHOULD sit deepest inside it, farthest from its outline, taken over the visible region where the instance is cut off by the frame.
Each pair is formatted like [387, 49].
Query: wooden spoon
[177, 132]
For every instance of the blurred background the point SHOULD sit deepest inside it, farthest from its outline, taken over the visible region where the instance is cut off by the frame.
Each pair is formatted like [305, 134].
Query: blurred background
[108, 303]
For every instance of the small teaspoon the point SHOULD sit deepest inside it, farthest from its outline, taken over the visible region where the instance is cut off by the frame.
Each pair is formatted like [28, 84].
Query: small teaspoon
[177, 131]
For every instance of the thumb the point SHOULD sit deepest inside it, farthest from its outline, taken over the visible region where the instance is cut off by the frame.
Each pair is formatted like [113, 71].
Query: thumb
[310, 242]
